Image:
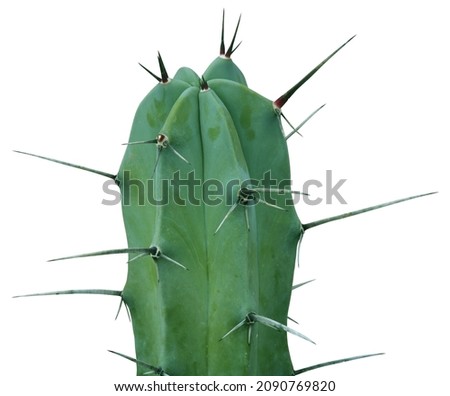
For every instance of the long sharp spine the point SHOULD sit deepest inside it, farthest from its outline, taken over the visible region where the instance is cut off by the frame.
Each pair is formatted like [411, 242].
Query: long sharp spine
[108, 175]
[360, 211]
[280, 102]
[332, 362]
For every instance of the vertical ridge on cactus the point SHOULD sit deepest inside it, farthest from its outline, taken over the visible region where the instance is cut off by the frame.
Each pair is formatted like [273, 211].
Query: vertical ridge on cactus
[211, 226]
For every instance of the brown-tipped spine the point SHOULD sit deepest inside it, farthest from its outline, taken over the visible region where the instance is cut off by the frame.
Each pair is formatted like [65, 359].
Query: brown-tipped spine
[280, 102]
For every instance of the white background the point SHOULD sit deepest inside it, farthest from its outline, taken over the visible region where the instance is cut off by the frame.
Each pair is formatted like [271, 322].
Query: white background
[70, 84]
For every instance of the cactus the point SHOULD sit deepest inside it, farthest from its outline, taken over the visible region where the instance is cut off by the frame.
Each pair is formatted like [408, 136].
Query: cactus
[212, 231]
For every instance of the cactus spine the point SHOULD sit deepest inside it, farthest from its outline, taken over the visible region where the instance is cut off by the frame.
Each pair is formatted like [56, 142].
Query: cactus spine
[210, 276]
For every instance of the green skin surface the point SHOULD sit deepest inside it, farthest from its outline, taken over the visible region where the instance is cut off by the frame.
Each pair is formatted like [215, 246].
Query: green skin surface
[223, 67]
[227, 132]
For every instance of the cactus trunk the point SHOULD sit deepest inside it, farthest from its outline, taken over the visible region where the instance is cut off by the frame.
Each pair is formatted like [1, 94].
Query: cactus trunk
[211, 225]
[239, 254]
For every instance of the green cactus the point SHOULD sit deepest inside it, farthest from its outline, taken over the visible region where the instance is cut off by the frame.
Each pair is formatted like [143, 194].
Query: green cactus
[210, 268]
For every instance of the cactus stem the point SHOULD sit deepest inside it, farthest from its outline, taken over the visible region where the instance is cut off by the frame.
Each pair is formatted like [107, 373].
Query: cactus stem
[281, 101]
[357, 212]
[316, 366]
[302, 284]
[295, 130]
[76, 291]
[153, 369]
[109, 175]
